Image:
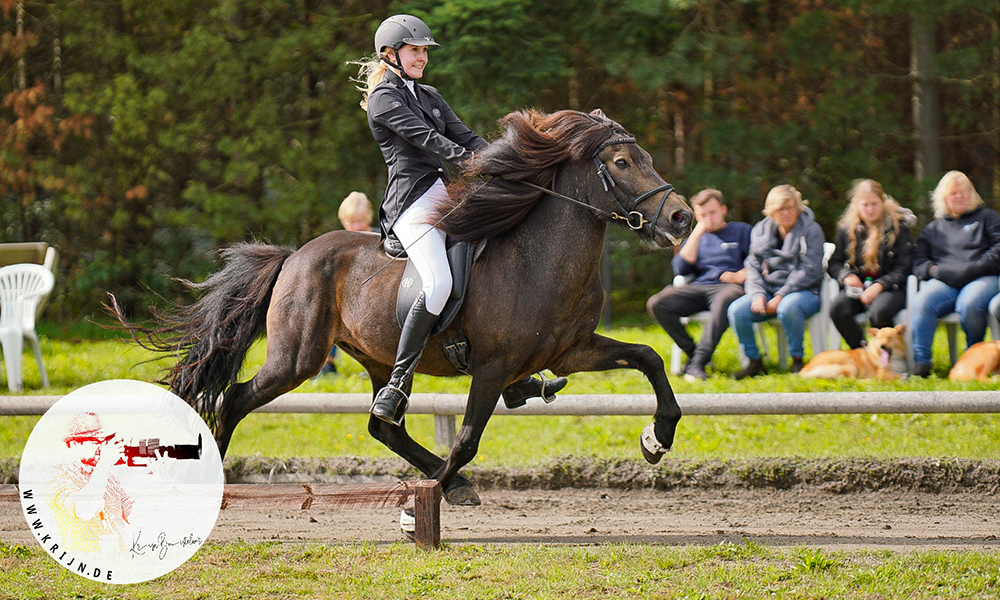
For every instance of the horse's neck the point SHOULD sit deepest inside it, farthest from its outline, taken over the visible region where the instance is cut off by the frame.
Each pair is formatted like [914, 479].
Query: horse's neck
[567, 237]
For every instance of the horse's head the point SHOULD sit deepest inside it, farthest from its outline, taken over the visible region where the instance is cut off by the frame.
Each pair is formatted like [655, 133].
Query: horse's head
[635, 192]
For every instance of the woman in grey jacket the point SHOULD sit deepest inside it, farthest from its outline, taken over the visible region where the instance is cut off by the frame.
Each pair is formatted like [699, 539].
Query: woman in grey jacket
[784, 271]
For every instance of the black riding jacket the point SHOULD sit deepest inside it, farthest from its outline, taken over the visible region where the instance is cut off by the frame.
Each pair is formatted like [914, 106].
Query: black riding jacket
[417, 139]
[894, 261]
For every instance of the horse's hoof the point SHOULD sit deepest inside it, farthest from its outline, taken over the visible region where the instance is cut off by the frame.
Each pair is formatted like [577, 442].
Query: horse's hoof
[652, 449]
[408, 523]
[462, 496]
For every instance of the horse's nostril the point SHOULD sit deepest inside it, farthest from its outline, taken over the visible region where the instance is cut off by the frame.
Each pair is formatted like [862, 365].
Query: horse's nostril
[681, 218]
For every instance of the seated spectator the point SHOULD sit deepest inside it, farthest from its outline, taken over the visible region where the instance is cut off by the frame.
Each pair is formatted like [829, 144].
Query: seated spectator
[783, 275]
[871, 261]
[958, 258]
[714, 255]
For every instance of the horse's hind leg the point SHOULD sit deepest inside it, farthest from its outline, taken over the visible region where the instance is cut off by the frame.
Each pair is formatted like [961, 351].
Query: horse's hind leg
[293, 355]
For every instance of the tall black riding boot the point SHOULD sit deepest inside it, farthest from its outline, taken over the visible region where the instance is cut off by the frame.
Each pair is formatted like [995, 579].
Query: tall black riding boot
[390, 402]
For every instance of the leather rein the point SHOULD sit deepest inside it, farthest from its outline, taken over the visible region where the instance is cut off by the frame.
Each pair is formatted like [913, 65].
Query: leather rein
[634, 218]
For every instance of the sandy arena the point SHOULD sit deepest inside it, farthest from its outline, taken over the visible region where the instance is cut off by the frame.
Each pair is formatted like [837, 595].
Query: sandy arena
[902, 505]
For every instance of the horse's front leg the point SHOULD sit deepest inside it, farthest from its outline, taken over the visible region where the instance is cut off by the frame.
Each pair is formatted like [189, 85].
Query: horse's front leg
[598, 353]
[483, 396]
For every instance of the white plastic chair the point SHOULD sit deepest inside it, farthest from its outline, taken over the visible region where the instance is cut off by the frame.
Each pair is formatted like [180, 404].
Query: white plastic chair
[21, 286]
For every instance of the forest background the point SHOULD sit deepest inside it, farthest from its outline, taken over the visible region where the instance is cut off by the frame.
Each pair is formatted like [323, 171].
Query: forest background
[140, 137]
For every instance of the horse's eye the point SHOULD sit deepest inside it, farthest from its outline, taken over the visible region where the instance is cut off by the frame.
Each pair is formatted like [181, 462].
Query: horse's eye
[621, 163]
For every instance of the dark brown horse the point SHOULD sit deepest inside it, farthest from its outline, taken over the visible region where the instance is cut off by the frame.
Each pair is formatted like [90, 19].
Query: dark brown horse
[543, 195]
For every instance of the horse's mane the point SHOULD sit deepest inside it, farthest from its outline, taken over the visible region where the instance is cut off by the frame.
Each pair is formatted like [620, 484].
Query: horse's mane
[532, 147]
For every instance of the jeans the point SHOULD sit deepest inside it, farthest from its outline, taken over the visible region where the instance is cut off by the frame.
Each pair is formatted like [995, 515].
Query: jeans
[936, 299]
[793, 310]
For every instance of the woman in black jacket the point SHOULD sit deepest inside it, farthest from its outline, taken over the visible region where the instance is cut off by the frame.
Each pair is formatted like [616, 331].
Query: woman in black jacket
[419, 135]
[871, 261]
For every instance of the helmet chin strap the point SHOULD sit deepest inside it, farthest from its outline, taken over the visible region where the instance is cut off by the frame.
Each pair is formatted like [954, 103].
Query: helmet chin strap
[398, 66]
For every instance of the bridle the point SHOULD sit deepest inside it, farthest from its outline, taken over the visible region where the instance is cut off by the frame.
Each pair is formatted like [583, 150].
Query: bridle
[630, 215]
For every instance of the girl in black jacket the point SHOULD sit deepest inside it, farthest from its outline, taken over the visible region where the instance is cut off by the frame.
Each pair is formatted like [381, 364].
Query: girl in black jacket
[871, 261]
[419, 135]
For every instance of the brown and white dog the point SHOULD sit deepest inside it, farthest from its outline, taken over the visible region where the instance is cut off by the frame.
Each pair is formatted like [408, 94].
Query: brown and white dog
[980, 361]
[884, 358]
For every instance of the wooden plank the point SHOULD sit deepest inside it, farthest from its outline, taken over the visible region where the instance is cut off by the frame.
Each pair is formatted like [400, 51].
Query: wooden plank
[304, 496]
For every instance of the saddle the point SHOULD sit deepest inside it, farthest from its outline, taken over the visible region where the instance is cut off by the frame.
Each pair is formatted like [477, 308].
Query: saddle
[461, 257]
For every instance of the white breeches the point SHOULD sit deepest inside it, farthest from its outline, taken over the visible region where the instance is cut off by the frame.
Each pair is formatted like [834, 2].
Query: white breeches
[424, 245]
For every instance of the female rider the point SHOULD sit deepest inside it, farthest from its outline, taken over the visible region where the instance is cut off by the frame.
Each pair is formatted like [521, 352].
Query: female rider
[418, 134]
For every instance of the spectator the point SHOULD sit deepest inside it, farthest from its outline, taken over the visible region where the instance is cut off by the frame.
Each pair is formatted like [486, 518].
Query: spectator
[958, 258]
[714, 255]
[355, 214]
[871, 260]
[784, 271]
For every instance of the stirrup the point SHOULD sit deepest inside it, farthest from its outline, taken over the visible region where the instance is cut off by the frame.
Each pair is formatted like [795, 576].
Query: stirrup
[389, 405]
[516, 394]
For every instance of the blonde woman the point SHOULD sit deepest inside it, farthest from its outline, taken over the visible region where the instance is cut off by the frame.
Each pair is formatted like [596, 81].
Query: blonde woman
[783, 275]
[871, 261]
[419, 136]
[958, 258]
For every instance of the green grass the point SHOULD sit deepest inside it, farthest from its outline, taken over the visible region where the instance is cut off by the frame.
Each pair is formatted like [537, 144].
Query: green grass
[726, 570]
[75, 362]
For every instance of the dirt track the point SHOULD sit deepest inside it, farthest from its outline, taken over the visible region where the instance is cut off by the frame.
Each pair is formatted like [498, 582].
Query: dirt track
[900, 505]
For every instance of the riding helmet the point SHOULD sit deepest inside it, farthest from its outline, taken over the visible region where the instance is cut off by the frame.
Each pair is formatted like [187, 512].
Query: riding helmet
[399, 30]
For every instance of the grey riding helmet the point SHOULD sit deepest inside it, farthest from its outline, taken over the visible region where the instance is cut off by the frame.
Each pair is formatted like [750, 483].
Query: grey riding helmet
[399, 30]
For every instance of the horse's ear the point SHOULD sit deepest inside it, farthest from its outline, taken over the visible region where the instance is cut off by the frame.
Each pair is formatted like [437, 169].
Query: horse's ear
[598, 113]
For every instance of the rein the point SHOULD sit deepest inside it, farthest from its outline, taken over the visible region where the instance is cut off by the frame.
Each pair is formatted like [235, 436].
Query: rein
[635, 219]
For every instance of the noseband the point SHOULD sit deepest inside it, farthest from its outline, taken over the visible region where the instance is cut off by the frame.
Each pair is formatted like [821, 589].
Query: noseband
[630, 215]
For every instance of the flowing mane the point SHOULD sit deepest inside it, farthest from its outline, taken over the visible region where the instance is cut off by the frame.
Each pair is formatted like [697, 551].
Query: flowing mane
[532, 148]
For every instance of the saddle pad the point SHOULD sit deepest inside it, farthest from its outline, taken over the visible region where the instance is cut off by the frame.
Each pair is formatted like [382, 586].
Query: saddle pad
[461, 256]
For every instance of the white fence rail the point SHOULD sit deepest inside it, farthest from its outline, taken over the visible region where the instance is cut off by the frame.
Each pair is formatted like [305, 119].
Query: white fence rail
[446, 406]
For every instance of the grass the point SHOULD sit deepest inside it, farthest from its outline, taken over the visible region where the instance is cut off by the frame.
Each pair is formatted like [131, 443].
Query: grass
[75, 362]
[726, 570]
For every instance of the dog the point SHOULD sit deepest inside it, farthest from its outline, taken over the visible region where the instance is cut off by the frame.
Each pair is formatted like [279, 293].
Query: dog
[980, 362]
[884, 358]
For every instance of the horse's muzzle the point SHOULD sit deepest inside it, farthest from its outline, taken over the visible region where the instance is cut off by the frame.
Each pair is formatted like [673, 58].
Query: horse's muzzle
[678, 227]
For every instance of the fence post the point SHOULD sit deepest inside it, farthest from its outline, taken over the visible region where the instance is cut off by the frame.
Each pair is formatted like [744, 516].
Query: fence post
[427, 514]
[444, 430]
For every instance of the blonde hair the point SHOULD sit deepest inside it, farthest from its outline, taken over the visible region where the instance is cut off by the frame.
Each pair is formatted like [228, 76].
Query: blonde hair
[371, 72]
[781, 195]
[944, 186]
[852, 218]
[356, 204]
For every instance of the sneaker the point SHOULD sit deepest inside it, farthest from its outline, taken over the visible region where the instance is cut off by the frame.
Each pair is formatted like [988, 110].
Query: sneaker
[754, 367]
[695, 372]
[920, 370]
[796, 364]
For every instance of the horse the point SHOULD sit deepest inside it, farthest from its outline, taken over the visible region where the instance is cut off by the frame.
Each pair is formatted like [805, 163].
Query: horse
[541, 194]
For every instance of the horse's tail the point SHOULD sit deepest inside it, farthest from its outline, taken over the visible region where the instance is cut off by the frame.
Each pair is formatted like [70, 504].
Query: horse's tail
[213, 335]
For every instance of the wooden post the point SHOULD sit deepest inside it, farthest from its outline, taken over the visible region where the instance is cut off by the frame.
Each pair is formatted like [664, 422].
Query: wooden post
[444, 430]
[427, 513]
